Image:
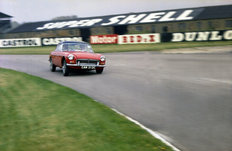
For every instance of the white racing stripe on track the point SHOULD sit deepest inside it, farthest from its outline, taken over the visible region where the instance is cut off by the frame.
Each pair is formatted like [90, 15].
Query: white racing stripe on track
[154, 134]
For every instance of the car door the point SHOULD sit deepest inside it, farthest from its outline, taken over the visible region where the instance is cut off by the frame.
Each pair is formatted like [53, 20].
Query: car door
[53, 57]
[56, 55]
[59, 55]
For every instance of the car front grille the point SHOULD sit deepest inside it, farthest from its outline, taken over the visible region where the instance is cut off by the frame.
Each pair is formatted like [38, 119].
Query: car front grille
[84, 62]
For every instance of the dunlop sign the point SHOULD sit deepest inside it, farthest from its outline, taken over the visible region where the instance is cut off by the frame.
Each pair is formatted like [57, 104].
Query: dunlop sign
[202, 36]
[20, 42]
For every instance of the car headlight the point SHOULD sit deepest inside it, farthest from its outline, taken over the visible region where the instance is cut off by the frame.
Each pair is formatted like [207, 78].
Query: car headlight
[70, 57]
[103, 58]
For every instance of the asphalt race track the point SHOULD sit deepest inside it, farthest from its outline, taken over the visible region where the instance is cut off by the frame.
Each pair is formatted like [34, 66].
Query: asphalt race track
[187, 97]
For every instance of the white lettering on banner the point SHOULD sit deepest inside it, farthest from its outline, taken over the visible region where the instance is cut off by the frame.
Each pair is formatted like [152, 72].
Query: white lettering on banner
[168, 16]
[125, 19]
[177, 37]
[104, 39]
[78, 23]
[185, 15]
[70, 24]
[113, 20]
[45, 26]
[202, 36]
[55, 41]
[132, 19]
[24, 42]
[228, 35]
[92, 22]
[139, 38]
[152, 17]
[190, 36]
[215, 36]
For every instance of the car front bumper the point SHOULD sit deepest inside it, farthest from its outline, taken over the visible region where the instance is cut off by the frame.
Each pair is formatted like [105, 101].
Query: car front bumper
[86, 64]
[77, 65]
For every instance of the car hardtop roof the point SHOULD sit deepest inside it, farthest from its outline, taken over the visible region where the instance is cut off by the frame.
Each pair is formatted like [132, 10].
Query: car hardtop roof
[69, 42]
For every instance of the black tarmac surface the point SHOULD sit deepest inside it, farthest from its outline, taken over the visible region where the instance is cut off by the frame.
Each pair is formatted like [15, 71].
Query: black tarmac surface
[187, 97]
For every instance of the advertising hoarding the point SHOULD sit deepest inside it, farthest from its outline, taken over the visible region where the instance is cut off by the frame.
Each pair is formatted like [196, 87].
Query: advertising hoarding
[139, 39]
[104, 39]
[54, 41]
[20, 42]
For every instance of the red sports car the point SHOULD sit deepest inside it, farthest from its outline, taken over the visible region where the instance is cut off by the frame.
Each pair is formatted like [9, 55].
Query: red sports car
[76, 55]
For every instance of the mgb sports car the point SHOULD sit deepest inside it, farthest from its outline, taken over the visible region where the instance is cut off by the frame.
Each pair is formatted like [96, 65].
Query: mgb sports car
[70, 55]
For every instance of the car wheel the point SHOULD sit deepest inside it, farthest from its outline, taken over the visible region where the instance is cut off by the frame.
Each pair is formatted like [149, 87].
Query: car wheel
[52, 66]
[65, 69]
[99, 71]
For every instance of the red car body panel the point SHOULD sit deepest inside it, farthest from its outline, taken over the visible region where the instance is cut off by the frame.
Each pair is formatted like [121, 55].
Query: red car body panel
[84, 55]
[58, 56]
[81, 60]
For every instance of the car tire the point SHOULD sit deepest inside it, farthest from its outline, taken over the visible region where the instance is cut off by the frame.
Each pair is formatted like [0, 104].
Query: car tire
[65, 69]
[99, 71]
[52, 66]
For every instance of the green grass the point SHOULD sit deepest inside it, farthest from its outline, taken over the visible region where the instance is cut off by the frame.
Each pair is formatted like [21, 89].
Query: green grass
[39, 115]
[119, 48]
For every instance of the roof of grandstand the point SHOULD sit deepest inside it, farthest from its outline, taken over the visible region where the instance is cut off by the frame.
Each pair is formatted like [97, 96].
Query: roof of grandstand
[2, 15]
[200, 13]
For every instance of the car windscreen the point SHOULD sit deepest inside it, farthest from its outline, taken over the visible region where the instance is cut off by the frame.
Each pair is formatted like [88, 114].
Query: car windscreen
[77, 47]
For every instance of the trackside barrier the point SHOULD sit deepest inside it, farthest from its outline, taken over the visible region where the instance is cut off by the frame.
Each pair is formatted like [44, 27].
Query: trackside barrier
[125, 39]
[216, 35]
[51, 41]
[20, 42]
[104, 39]
[222, 35]
[139, 39]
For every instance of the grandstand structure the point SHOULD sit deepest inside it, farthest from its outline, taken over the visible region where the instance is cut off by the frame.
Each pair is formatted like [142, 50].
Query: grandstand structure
[5, 22]
[168, 21]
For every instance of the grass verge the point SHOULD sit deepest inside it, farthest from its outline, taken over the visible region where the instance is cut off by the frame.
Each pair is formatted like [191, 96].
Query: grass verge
[39, 115]
[119, 48]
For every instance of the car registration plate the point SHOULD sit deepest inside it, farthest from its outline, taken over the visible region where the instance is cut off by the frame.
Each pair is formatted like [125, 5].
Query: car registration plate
[87, 67]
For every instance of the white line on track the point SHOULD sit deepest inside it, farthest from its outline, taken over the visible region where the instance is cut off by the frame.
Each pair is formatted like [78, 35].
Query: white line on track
[218, 80]
[154, 134]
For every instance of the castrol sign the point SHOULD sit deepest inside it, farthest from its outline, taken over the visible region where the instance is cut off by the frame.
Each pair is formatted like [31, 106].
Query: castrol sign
[104, 39]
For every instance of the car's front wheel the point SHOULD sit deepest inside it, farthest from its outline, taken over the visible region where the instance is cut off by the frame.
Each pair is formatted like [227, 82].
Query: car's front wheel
[65, 69]
[52, 66]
